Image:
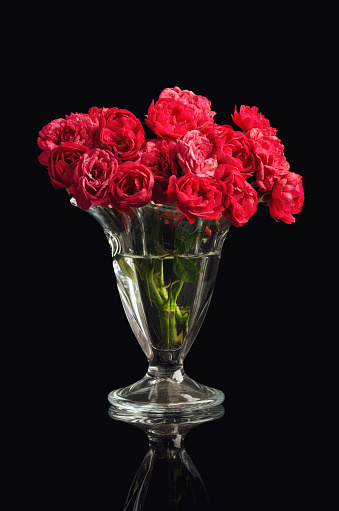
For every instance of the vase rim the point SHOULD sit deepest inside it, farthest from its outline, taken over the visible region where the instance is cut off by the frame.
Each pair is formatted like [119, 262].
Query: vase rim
[170, 206]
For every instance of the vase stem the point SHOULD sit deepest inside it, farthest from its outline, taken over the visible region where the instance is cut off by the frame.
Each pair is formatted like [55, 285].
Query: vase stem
[172, 371]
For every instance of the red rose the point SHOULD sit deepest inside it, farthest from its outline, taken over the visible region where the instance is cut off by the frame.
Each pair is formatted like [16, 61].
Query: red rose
[50, 138]
[287, 198]
[122, 133]
[77, 128]
[249, 118]
[160, 156]
[131, 186]
[94, 174]
[197, 196]
[170, 118]
[197, 154]
[240, 198]
[199, 104]
[270, 159]
[63, 163]
[97, 113]
[229, 142]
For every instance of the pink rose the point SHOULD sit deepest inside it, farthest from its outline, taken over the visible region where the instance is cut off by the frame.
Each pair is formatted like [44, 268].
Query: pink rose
[63, 162]
[249, 118]
[77, 128]
[82, 128]
[122, 133]
[97, 114]
[197, 154]
[270, 159]
[160, 156]
[94, 174]
[287, 198]
[197, 196]
[199, 104]
[240, 198]
[131, 186]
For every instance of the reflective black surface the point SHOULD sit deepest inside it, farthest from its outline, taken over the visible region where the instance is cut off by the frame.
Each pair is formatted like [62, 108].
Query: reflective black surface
[75, 455]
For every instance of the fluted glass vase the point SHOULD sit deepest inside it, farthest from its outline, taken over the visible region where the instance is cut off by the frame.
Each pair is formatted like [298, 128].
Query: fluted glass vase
[165, 269]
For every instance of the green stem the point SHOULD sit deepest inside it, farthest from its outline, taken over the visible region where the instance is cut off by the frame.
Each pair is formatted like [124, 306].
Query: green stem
[163, 291]
[173, 315]
[172, 322]
[176, 293]
[165, 297]
[160, 304]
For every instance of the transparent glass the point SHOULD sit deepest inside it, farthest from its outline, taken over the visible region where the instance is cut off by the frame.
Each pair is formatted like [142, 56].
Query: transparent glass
[167, 477]
[165, 269]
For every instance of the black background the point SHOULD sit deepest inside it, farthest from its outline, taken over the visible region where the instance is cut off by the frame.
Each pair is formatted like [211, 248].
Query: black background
[261, 342]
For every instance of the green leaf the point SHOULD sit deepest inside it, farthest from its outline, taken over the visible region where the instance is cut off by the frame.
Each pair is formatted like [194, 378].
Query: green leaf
[185, 236]
[126, 269]
[185, 269]
[160, 249]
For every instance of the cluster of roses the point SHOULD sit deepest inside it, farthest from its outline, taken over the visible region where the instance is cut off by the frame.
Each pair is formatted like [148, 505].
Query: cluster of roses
[103, 159]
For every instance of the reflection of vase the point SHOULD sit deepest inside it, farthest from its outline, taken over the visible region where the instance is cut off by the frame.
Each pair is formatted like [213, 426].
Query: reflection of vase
[167, 477]
[165, 269]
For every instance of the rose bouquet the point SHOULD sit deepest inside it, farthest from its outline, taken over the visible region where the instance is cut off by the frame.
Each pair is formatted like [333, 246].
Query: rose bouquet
[103, 159]
[212, 174]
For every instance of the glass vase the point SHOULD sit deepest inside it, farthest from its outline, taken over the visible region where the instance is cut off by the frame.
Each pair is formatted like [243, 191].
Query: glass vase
[165, 269]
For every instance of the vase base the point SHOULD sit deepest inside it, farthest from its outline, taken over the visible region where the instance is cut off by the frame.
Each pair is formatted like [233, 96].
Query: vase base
[165, 395]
